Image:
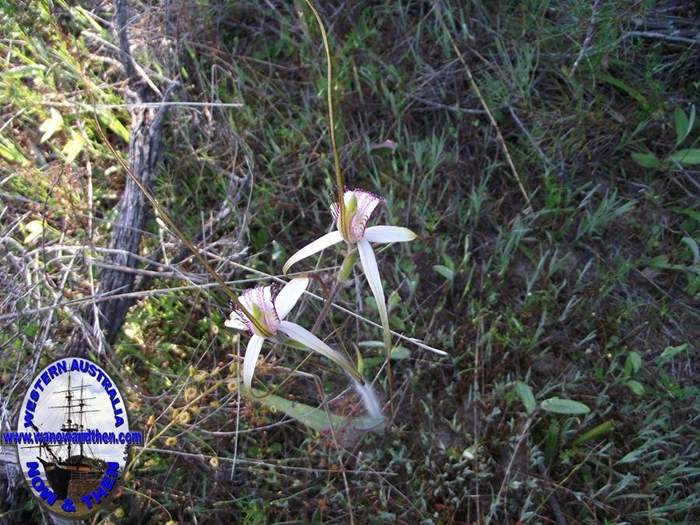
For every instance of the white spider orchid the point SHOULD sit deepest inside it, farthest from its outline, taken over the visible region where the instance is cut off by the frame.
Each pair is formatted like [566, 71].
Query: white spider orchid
[352, 228]
[269, 312]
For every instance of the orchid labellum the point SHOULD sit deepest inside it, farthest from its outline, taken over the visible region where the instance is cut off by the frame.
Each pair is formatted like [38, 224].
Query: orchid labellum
[352, 228]
[270, 311]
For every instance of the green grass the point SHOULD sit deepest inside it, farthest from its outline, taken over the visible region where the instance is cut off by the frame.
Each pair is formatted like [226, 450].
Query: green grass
[581, 299]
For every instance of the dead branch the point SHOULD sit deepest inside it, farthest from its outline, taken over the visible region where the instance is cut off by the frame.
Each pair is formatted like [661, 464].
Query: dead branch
[145, 153]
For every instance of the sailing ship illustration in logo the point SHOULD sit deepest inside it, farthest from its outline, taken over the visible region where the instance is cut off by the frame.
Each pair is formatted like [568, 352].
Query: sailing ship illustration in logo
[76, 422]
[72, 475]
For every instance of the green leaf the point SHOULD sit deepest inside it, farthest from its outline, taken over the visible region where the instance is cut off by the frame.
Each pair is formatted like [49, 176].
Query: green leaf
[393, 300]
[626, 88]
[448, 262]
[633, 363]
[672, 351]
[11, 153]
[635, 386]
[564, 406]
[693, 214]
[632, 457]
[686, 157]
[593, 433]
[360, 361]
[551, 443]
[446, 272]
[397, 353]
[312, 417]
[31, 329]
[108, 119]
[681, 124]
[31, 70]
[691, 121]
[526, 396]
[693, 245]
[646, 160]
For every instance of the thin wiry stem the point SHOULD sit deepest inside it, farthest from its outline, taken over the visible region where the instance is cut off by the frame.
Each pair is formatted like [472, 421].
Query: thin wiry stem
[179, 233]
[589, 36]
[128, 62]
[175, 103]
[477, 92]
[258, 463]
[331, 119]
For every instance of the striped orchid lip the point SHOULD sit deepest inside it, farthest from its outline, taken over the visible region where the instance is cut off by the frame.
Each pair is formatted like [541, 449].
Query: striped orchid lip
[358, 207]
[270, 311]
[261, 305]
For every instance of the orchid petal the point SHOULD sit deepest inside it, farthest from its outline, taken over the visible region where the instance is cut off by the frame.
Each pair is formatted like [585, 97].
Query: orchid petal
[310, 341]
[235, 322]
[289, 295]
[383, 234]
[319, 244]
[252, 352]
[369, 266]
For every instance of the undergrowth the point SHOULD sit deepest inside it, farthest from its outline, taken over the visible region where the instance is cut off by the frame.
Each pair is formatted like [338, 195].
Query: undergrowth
[592, 297]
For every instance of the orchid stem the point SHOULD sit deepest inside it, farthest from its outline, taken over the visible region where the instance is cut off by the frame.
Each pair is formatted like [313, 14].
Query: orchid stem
[390, 382]
[326, 306]
[331, 119]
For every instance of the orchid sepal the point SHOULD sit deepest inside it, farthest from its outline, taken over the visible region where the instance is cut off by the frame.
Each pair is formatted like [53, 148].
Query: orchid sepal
[316, 246]
[386, 234]
[251, 358]
[371, 271]
[302, 336]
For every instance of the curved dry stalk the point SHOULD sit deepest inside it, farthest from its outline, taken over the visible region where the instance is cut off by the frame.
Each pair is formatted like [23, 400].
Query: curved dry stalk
[477, 92]
[331, 119]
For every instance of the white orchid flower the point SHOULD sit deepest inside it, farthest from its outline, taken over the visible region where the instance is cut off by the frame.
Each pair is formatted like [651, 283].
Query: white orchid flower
[269, 312]
[352, 228]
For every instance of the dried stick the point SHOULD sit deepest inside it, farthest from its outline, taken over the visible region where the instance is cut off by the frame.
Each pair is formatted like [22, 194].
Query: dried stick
[587, 41]
[144, 156]
[477, 92]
